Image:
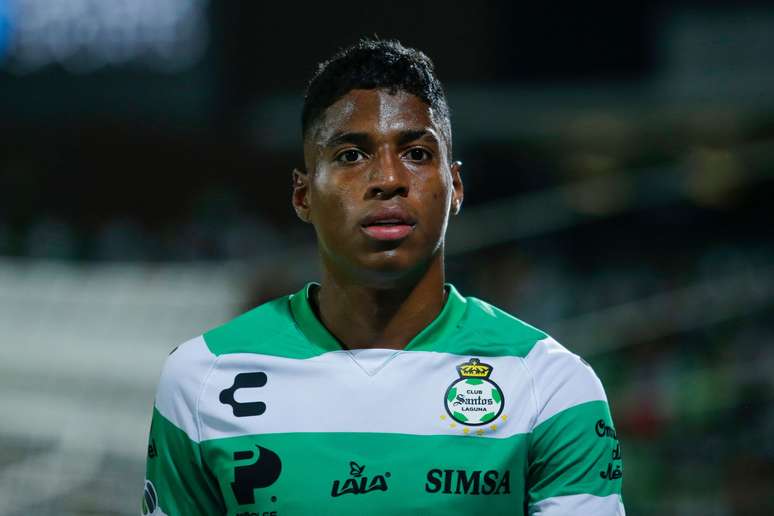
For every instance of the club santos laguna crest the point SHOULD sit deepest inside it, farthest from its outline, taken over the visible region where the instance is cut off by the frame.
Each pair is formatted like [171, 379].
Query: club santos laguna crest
[480, 413]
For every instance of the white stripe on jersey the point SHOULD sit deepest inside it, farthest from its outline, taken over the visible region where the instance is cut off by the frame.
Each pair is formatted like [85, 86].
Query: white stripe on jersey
[333, 393]
[579, 504]
[182, 378]
[341, 391]
[562, 379]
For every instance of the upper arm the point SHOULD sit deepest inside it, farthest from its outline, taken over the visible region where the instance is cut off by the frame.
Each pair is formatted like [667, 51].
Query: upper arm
[575, 462]
[178, 481]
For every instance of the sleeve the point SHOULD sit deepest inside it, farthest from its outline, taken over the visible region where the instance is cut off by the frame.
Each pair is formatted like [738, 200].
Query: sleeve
[575, 463]
[178, 481]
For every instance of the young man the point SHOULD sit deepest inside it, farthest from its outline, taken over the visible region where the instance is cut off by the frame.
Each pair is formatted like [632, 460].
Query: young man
[380, 390]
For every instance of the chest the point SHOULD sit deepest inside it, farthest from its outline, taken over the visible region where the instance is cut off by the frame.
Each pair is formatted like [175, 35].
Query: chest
[378, 432]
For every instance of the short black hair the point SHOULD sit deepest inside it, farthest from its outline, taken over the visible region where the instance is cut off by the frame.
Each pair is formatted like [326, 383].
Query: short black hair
[375, 64]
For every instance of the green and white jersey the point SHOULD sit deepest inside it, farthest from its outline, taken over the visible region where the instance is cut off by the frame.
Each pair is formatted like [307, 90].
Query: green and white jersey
[480, 413]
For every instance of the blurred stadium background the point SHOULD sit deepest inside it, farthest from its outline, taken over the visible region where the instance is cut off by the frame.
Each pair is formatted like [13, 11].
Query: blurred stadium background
[619, 171]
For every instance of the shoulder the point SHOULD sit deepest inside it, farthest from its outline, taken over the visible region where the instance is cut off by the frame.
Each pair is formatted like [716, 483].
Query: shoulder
[182, 376]
[561, 379]
[188, 364]
[188, 367]
[259, 330]
[267, 329]
[499, 331]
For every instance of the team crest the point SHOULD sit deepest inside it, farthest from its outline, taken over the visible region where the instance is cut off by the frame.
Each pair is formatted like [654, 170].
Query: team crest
[473, 399]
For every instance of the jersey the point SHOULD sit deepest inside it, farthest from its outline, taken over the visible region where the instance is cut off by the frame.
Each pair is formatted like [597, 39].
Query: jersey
[480, 413]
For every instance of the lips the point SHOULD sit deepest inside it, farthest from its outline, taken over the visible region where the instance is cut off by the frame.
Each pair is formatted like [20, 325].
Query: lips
[388, 215]
[392, 223]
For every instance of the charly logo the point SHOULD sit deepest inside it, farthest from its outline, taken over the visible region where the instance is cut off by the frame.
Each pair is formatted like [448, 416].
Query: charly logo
[262, 472]
[150, 501]
[359, 483]
[473, 399]
[244, 381]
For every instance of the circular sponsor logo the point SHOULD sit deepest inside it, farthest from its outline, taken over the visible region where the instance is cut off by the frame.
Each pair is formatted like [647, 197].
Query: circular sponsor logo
[149, 499]
[473, 399]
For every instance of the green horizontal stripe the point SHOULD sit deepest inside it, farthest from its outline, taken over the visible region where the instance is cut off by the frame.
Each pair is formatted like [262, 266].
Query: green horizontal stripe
[183, 484]
[311, 462]
[568, 456]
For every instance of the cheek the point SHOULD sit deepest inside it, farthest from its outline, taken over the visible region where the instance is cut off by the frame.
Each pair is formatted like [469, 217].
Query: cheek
[441, 195]
[436, 208]
[332, 202]
[439, 183]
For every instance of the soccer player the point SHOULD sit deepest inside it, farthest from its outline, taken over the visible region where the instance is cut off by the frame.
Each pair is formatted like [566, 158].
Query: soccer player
[381, 389]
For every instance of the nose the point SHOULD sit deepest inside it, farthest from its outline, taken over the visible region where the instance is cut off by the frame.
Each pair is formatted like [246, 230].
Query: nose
[387, 178]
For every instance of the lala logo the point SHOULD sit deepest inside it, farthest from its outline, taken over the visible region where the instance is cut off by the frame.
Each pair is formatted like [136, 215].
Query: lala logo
[358, 483]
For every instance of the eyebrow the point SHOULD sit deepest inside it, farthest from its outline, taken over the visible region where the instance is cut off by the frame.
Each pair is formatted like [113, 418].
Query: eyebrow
[410, 136]
[359, 139]
[363, 139]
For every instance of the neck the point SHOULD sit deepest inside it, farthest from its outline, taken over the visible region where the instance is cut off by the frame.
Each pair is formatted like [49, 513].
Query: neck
[385, 316]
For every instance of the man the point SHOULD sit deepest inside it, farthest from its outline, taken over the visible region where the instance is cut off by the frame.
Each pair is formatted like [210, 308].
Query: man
[380, 390]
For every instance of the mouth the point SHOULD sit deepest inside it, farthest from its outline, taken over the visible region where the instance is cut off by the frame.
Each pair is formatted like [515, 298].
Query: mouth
[388, 223]
[388, 230]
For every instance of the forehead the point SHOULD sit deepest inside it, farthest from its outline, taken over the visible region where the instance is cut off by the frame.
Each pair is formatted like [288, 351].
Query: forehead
[374, 111]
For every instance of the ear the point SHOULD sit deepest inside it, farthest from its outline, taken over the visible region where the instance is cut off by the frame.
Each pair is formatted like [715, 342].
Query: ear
[300, 197]
[457, 189]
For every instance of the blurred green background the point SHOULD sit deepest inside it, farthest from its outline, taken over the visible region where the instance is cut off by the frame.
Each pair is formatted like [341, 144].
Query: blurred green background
[618, 168]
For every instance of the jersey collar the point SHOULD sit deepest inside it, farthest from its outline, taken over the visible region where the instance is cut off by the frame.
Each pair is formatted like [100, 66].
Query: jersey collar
[439, 329]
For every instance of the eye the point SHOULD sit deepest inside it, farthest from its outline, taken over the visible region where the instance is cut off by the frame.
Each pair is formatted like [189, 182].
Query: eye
[350, 156]
[418, 154]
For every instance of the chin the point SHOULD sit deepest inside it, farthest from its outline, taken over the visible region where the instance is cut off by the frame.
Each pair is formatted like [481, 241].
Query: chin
[387, 267]
[387, 262]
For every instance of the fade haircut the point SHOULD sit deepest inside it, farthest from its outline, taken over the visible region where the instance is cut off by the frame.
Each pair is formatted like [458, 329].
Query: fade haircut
[376, 64]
